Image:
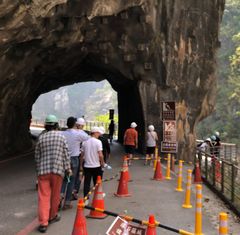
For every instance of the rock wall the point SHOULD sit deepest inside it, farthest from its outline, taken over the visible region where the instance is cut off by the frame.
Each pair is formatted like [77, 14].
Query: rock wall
[149, 50]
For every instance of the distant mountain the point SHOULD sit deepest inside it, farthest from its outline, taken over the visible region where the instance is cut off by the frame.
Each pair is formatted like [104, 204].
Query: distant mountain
[89, 99]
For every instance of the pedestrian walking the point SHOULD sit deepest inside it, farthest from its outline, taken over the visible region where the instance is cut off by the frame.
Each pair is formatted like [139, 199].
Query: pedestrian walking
[152, 139]
[93, 159]
[52, 161]
[131, 141]
[80, 175]
[74, 139]
[111, 129]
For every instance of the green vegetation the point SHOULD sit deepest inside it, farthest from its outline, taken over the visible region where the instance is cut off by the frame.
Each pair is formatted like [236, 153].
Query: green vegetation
[226, 118]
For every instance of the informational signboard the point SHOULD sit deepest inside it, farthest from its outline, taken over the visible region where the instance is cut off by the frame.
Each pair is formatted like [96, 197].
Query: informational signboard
[168, 110]
[169, 147]
[169, 131]
[122, 227]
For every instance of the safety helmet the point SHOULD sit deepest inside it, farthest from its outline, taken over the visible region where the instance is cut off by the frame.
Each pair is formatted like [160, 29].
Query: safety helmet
[213, 137]
[51, 119]
[151, 128]
[133, 125]
[217, 133]
[95, 129]
[102, 130]
[208, 139]
[81, 121]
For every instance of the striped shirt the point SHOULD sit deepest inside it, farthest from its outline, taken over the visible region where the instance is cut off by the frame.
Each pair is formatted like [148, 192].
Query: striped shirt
[51, 154]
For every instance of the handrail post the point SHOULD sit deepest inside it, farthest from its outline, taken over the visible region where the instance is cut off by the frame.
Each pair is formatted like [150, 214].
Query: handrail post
[222, 180]
[232, 184]
[213, 172]
[206, 167]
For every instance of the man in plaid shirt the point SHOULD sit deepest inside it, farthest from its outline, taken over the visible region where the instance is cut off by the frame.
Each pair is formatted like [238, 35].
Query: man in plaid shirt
[53, 160]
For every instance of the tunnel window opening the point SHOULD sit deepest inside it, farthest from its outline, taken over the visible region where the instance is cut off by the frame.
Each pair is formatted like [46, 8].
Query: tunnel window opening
[90, 100]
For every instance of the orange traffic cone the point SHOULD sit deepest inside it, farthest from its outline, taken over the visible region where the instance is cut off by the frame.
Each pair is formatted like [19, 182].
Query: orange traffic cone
[158, 171]
[123, 185]
[151, 229]
[197, 175]
[98, 202]
[80, 225]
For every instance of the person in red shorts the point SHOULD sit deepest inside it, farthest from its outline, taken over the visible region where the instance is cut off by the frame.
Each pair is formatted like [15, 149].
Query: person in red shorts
[131, 141]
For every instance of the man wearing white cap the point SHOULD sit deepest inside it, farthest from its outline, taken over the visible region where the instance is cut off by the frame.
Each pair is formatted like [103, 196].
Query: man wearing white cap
[131, 140]
[93, 159]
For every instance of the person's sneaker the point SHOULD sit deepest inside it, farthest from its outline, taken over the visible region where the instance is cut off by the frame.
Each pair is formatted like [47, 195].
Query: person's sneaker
[66, 207]
[42, 228]
[55, 219]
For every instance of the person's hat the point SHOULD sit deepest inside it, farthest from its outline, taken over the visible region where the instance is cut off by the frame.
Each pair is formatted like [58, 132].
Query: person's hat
[208, 139]
[151, 128]
[81, 121]
[217, 133]
[102, 130]
[213, 137]
[51, 119]
[133, 125]
[95, 129]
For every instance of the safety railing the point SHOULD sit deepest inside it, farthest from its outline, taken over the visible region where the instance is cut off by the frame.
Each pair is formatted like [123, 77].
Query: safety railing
[223, 177]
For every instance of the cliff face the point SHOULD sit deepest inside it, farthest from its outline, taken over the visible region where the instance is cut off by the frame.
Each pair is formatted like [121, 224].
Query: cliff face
[149, 50]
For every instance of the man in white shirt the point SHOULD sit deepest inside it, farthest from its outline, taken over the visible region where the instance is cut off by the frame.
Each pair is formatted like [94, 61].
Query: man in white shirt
[93, 159]
[74, 139]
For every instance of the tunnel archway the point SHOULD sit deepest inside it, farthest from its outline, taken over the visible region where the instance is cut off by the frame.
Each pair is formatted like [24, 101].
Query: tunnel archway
[149, 51]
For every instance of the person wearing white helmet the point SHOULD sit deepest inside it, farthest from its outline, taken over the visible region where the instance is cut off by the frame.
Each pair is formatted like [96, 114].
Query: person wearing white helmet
[131, 141]
[152, 139]
[93, 159]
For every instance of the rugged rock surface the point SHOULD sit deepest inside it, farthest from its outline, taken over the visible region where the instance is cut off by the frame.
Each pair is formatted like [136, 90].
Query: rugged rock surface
[149, 50]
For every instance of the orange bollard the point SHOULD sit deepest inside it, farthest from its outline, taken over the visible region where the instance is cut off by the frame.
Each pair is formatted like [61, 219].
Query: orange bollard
[198, 213]
[123, 185]
[151, 229]
[80, 224]
[168, 171]
[125, 167]
[187, 203]
[179, 180]
[173, 163]
[98, 202]
[223, 223]
[158, 172]
[197, 175]
[155, 158]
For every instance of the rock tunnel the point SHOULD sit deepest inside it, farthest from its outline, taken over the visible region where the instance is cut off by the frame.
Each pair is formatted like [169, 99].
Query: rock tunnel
[148, 50]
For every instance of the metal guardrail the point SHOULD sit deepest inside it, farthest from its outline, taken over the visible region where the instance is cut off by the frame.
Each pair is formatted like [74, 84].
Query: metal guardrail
[223, 177]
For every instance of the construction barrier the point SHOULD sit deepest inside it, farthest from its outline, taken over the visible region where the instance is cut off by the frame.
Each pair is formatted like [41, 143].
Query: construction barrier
[198, 213]
[141, 222]
[187, 203]
[179, 180]
[223, 223]
[168, 170]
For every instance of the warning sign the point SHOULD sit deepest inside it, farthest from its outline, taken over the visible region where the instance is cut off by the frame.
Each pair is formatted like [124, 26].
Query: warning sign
[122, 227]
[169, 131]
[168, 111]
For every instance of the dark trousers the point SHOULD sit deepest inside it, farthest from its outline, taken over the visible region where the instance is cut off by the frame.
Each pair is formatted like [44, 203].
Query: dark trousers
[91, 173]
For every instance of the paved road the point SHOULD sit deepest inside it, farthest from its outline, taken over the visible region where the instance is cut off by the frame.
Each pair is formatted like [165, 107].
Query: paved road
[19, 200]
[17, 194]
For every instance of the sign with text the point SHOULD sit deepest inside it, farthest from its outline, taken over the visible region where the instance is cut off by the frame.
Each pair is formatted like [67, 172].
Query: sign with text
[169, 147]
[122, 227]
[169, 131]
[168, 110]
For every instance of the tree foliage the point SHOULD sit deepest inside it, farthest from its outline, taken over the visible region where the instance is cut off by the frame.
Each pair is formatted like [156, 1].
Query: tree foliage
[226, 117]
